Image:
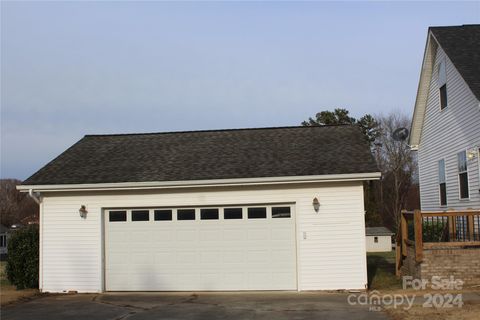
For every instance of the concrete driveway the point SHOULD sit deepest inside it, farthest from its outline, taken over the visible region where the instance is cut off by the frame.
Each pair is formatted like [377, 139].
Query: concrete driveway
[209, 306]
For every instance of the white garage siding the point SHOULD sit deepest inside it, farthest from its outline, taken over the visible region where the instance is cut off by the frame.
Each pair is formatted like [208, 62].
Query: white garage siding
[330, 245]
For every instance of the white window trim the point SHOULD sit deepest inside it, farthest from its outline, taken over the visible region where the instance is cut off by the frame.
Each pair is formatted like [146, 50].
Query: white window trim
[478, 167]
[458, 177]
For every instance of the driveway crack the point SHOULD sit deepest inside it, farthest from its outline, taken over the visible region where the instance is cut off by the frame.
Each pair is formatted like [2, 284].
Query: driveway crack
[121, 305]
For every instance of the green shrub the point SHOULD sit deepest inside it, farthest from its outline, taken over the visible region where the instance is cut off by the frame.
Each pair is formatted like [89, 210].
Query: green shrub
[22, 260]
[434, 231]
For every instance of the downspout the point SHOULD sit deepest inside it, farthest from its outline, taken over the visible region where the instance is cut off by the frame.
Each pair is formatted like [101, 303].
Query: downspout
[34, 196]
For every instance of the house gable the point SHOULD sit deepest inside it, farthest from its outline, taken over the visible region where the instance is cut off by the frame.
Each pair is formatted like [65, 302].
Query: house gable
[444, 133]
[461, 46]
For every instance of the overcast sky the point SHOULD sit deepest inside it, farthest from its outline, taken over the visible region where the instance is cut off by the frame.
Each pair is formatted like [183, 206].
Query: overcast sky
[70, 69]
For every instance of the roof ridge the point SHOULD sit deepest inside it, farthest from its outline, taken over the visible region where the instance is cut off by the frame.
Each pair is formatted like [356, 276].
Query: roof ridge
[215, 130]
[457, 26]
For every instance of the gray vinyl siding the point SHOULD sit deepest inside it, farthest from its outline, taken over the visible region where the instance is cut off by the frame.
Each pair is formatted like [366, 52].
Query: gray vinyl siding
[444, 134]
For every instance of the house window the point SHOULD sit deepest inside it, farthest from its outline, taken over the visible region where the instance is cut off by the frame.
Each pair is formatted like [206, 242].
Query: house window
[3, 241]
[163, 215]
[443, 96]
[442, 182]
[140, 215]
[280, 212]
[442, 84]
[209, 214]
[232, 213]
[463, 174]
[257, 213]
[117, 216]
[186, 214]
[375, 239]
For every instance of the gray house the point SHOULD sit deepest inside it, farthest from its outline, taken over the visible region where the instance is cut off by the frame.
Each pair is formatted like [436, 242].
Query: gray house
[3, 241]
[446, 121]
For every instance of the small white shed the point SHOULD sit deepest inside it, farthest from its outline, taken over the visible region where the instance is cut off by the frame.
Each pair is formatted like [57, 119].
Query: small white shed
[379, 239]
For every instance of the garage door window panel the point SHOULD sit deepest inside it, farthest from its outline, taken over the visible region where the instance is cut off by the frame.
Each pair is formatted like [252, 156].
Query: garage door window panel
[186, 214]
[117, 216]
[232, 213]
[140, 215]
[257, 213]
[281, 212]
[209, 214]
[163, 215]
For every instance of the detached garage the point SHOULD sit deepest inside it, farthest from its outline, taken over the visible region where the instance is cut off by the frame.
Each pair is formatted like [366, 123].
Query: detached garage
[247, 209]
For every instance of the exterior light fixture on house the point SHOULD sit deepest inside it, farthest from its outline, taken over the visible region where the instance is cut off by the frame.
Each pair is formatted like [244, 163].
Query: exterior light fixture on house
[472, 153]
[316, 204]
[83, 211]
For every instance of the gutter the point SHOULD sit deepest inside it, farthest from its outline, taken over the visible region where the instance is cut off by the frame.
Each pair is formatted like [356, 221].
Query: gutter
[200, 183]
[33, 196]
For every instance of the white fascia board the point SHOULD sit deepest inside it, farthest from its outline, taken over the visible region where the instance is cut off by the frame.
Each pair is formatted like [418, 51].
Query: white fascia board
[421, 99]
[200, 183]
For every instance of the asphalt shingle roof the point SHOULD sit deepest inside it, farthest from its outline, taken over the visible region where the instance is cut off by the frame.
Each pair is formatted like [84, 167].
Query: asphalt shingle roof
[214, 154]
[462, 45]
[378, 231]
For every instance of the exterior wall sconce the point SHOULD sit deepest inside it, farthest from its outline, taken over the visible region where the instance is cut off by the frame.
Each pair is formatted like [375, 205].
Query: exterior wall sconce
[83, 211]
[316, 204]
[472, 153]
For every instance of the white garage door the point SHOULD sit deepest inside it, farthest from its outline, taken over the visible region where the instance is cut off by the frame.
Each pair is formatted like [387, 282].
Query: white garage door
[193, 249]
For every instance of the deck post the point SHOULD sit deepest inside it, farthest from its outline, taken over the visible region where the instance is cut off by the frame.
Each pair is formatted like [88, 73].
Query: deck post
[403, 233]
[398, 260]
[418, 225]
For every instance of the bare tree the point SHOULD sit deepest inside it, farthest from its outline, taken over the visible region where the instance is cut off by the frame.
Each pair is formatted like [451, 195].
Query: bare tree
[397, 164]
[14, 205]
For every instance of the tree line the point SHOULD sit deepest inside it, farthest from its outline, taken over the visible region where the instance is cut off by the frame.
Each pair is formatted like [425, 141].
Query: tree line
[398, 187]
[15, 205]
[384, 199]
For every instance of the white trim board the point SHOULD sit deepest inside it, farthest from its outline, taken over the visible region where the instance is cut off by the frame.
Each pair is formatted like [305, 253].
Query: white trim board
[201, 183]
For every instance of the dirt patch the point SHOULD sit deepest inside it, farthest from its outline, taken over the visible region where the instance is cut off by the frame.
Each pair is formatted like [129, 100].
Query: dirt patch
[9, 294]
[469, 311]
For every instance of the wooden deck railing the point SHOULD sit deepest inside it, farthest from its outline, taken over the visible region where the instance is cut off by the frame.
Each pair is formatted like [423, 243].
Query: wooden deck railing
[432, 230]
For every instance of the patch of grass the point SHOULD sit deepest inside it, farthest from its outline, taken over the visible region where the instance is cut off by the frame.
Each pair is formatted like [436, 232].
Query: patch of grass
[381, 271]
